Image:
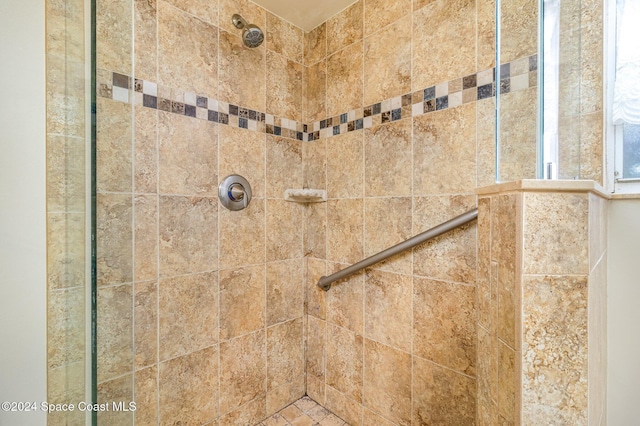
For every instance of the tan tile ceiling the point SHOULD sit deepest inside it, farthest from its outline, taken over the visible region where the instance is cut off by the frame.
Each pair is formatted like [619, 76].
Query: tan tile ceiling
[306, 14]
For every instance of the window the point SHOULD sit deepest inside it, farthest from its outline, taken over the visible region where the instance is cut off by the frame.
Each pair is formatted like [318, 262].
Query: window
[626, 97]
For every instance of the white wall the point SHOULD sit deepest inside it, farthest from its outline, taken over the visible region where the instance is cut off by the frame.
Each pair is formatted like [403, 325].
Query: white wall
[623, 328]
[23, 361]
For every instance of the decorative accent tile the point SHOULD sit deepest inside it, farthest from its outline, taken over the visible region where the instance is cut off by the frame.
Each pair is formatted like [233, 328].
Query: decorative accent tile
[517, 75]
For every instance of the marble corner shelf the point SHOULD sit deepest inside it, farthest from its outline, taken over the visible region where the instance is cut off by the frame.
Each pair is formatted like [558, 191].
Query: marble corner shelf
[305, 195]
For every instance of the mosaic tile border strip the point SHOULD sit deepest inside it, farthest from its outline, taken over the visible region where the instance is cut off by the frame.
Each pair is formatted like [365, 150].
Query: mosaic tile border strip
[518, 75]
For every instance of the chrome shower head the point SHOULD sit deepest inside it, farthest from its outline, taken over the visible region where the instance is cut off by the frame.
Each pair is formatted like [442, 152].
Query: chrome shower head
[252, 36]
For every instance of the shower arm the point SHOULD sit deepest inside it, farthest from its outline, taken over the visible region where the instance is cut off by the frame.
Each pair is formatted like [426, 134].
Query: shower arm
[325, 282]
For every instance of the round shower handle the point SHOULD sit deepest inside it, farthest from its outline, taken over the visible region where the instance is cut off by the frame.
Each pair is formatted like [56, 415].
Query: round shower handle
[234, 192]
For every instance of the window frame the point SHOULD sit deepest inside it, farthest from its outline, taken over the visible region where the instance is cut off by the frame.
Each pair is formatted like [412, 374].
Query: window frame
[614, 133]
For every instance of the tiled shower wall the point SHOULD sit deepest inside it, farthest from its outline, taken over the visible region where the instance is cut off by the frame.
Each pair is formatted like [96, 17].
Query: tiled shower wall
[396, 343]
[541, 296]
[200, 309]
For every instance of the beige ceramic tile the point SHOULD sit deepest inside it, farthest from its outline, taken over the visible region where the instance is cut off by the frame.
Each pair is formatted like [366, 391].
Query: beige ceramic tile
[119, 390]
[315, 231]
[345, 300]
[344, 407]
[345, 230]
[284, 395]
[146, 39]
[285, 291]
[113, 35]
[591, 147]
[188, 314]
[188, 230]
[444, 324]
[452, 256]
[442, 396]
[344, 80]
[65, 29]
[65, 97]
[66, 181]
[291, 412]
[316, 298]
[387, 377]
[388, 65]
[345, 28]
[284, 86]
[344, 165]
[114, 238]
[284, 239]
[145, 150]
[315, 348]
[188, 155]
[284, 38]
[315, 44]
[66, 330]
[446, 139]
[556, 233]
[388, 152]
[388, 298]
[145, 316]
[508, 383]
[569, 150]
[483, 278]
[284, 165]
[518, 135]
[554, 387]
[205, 10]
[66, 384]
[486, 10]
[237, 143]
[187, 51]
[518, 26]
[437, 56]
[315, 388]
[65, 250]
[146, 237]
[242, 301]
[115, 326]
[486, 146]
[314, 92]
[243, 370]
[314, 157]
[487, 368]
[188, 388]
[274, 420]
[242, 81]
[249, 414]
[146, 396]
[343, 367]
[504, 245]
[378, 14]
[393, 215]
[113, 146]
[591, 64]
[285, 353]
[242, 235]
[372, 419]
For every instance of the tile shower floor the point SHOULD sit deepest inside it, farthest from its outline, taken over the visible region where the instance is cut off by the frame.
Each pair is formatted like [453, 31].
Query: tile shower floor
[304, 412]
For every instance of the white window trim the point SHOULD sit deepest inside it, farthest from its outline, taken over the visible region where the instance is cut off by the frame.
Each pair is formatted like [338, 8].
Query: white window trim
[613, 134]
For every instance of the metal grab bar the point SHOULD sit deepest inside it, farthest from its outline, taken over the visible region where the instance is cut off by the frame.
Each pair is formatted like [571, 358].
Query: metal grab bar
[325, 282]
